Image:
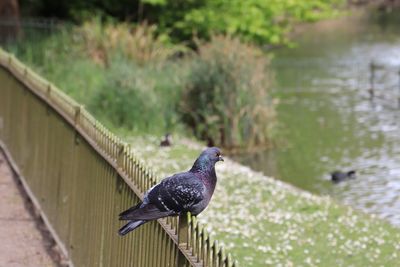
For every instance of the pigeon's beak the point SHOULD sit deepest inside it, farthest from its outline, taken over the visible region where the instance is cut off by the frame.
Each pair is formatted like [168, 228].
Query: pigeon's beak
[220, 158]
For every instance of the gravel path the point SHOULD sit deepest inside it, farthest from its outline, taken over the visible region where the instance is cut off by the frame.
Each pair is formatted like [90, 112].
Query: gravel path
[22, 244]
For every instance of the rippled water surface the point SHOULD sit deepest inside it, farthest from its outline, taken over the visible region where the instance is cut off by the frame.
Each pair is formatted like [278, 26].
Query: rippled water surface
[327, 119]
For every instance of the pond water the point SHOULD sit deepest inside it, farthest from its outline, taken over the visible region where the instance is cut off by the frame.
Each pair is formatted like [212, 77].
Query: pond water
[327, 121]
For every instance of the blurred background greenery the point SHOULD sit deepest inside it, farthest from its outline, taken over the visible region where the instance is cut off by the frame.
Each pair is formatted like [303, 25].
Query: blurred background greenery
[158, 65]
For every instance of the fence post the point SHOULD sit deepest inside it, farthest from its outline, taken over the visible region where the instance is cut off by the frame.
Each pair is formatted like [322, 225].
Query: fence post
[120, 158]
[182, 238]
[371, 89]
[77, 114]
[48, 92]
[215, 253]
[76, 122]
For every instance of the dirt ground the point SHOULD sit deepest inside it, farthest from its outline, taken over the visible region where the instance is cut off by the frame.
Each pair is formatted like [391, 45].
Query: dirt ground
[22, 243]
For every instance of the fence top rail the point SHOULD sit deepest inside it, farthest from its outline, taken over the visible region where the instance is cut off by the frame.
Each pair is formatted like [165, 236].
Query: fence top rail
[120, 156]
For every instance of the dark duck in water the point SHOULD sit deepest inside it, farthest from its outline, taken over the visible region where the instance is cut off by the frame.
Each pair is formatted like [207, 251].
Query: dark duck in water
[187, 191]
[339, 176]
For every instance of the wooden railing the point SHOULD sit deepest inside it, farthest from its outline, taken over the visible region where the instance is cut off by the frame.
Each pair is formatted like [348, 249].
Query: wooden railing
[80, 176]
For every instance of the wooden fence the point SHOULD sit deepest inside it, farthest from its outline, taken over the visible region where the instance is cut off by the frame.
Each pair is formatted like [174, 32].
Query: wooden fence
[80, 176]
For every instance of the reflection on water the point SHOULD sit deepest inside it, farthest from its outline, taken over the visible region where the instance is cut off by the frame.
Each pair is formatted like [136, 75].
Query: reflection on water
[327, 120]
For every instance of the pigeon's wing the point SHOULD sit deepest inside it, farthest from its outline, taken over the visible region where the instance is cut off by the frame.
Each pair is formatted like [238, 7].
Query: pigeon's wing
[173, 195]
[147, 212]
[177, 193]
[144, 210]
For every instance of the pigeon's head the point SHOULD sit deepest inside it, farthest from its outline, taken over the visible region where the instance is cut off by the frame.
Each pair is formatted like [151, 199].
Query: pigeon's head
[207, 159]
[212, 154]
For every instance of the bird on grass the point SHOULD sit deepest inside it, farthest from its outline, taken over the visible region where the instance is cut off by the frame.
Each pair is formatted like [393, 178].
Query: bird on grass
[167, 140]
[180, 193]
[339, 176]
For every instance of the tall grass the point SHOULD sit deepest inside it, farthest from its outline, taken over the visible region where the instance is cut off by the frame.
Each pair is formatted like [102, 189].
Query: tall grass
[226, 99]
[138, 43]
[140, 98]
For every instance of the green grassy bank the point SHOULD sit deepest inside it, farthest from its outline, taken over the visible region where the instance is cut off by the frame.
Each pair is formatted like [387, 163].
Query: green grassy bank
[265, 222]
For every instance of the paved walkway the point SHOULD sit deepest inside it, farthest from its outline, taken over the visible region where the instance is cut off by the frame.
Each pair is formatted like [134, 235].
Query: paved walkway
[21, 243]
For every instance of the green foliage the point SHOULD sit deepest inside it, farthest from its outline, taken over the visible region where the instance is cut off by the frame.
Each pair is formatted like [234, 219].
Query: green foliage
[154, 2]
[226, 99]
[259, 21]
[221, 92]
[140, 98]
[124, 85]
[263, 22]
[60, 58]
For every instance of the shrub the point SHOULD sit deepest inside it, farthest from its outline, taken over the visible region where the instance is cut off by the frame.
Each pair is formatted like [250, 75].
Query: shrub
[139, 98]
[226, 97]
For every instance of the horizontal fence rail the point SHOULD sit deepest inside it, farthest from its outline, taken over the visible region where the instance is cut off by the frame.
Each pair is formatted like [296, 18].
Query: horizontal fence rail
[80, 176]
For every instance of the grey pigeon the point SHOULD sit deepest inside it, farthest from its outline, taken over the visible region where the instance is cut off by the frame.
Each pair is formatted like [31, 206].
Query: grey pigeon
[179, 193]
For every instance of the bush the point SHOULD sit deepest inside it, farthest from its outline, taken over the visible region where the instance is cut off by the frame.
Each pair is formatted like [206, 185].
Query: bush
[226, 97]
[139, 98]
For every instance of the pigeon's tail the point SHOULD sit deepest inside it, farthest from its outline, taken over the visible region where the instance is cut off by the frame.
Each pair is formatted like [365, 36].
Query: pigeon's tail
[130, 226]
[123, 214]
